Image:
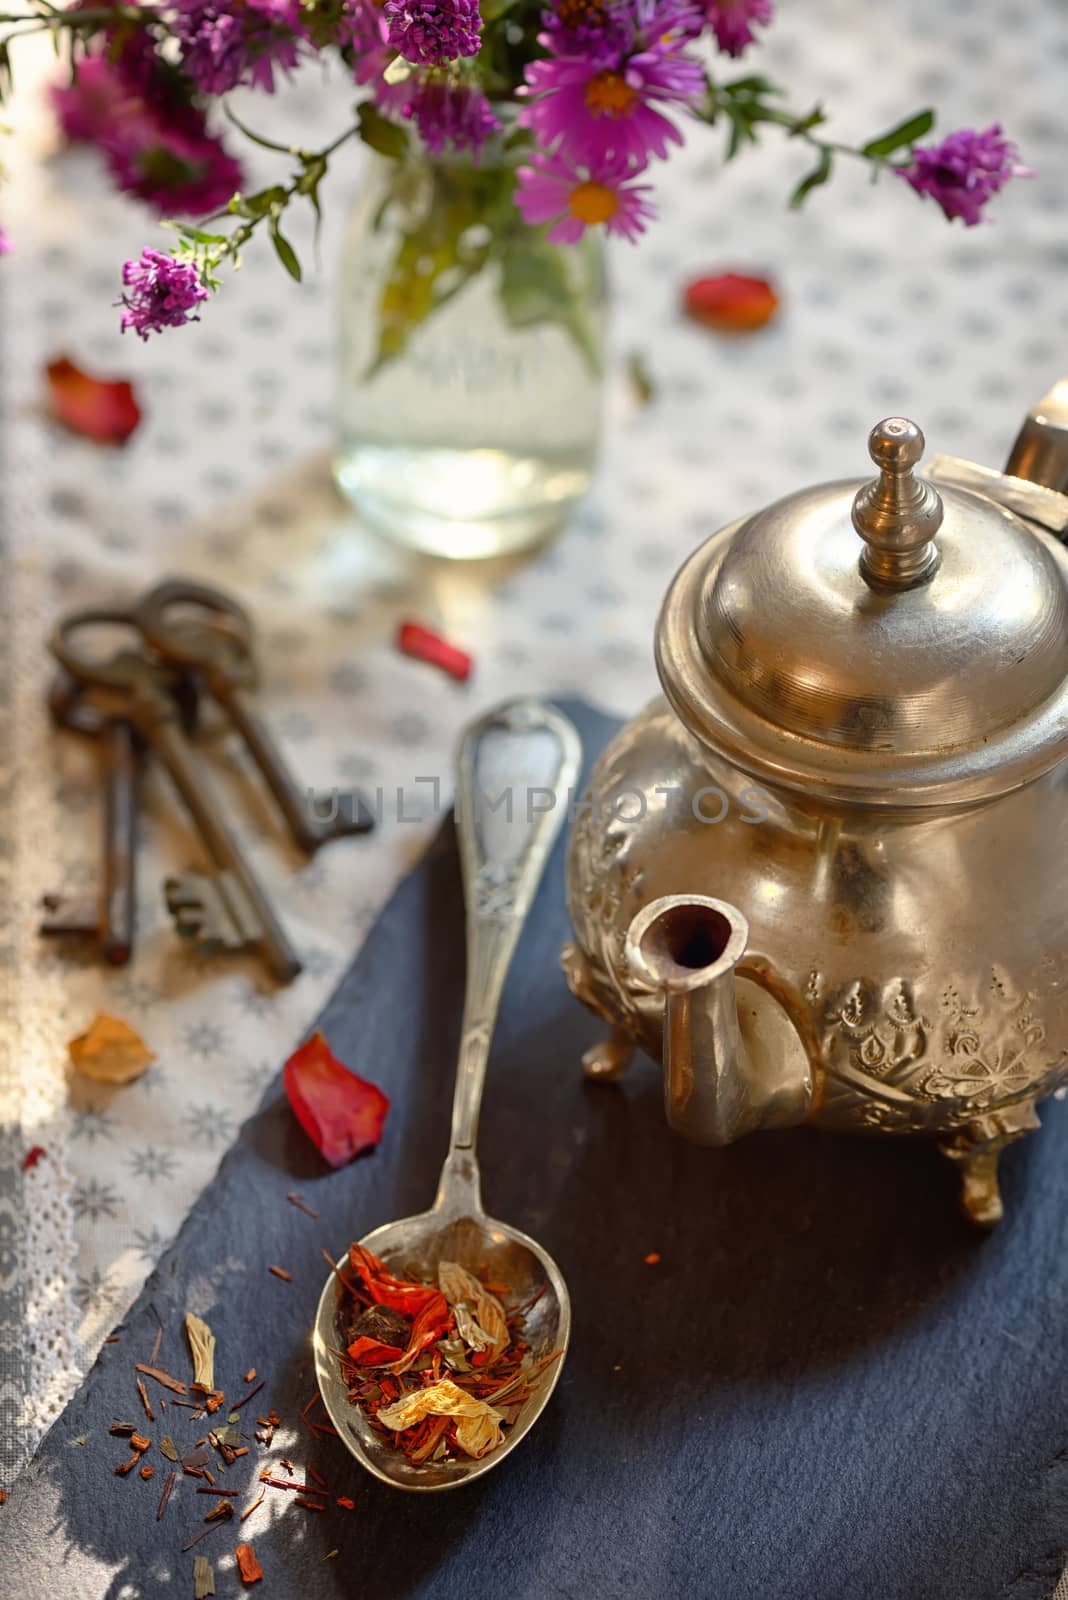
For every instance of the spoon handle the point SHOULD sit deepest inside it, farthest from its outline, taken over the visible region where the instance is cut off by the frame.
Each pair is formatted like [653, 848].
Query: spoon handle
[516, 770]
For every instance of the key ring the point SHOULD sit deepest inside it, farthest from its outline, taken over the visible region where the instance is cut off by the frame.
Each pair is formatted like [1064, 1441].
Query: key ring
[222, 641]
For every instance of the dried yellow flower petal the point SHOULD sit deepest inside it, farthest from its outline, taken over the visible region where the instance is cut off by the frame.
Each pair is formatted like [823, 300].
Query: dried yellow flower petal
[480, 1318]
[110, 1051]
[202, 1347]
[477, 1436]
[478, 1429]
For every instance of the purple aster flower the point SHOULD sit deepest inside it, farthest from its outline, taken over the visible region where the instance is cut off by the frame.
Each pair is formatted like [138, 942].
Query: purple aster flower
[87, 107]
[733, 21]
[965, 171]
[450, 116]
[573, 198]
[365, 33]
[6, 246]
[163, 293]
[596, 29]
[599, 110]
[433, 31]
[227, 42]
[182, 175]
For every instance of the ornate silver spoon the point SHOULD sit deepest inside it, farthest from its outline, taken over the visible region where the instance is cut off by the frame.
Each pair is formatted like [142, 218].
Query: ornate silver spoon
[515, 769]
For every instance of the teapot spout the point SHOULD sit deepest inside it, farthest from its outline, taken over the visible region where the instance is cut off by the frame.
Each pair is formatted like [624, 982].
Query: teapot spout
[1040, 451]
[721, 1080]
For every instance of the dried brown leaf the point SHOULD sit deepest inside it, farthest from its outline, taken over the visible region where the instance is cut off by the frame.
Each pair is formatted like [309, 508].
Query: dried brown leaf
[110, 1051]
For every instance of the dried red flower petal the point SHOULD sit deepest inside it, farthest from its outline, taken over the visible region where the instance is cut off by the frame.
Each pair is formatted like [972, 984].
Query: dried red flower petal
[399, 1294]
[731, 302]
[425, 645]
[32, 1156]
[98, 409]
[372, 1353]
[247, 1565]
[340, 1112]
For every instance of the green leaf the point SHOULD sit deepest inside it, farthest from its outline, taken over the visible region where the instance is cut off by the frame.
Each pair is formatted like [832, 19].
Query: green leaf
[753, 86]
[377, 131]
[285, 251]
[315, 170]
[906, 133]
[254, 206]
[819, 175]
[642, 381]
[197, 235]
[438, 255]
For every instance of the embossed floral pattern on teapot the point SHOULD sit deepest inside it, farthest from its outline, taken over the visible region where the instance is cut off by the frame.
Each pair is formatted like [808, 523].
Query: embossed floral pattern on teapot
[835, 894]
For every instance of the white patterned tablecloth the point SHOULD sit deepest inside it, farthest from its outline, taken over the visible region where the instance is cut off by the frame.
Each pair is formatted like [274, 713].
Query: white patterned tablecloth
[885, 309]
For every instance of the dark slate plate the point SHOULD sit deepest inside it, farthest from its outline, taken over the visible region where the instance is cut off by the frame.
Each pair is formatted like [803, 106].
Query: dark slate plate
[828, 1389]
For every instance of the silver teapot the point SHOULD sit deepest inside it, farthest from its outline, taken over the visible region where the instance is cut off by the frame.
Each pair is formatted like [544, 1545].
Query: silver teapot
[822, 880]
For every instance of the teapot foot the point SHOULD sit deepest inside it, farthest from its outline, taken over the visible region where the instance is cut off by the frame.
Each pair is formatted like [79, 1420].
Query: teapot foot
[975, 1152]
[606, 1062]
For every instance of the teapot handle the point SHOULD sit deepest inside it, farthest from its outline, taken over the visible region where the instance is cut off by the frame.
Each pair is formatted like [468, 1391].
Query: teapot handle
[1040, 451]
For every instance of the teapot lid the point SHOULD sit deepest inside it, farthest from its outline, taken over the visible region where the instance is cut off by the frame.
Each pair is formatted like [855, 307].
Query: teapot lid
[889, 642]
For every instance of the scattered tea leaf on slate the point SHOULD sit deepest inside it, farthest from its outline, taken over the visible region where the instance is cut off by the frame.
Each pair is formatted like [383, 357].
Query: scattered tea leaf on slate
[168, 1448]
[202, 1348]
[247, 1565]
[174, 1384]
[203, 1578]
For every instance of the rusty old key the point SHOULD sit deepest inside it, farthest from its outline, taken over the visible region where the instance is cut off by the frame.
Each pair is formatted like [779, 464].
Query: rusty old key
[135, 690]
[109, 920]
[199, 628]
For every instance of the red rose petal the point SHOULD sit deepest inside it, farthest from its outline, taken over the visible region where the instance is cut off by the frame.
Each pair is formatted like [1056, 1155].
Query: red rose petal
[105, 412]
[341, 1113]
[731, 303]
[415, 640]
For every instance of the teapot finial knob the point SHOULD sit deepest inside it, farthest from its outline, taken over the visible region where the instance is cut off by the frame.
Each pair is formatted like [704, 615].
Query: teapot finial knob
[897, 514]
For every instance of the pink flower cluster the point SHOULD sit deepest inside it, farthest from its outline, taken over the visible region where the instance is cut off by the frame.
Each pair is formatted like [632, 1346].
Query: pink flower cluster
[154, 140]
[965, 171]
[602, 107]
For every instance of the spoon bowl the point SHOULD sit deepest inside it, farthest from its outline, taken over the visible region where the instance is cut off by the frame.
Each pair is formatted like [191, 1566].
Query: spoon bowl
[412, 1248]
[510, 763]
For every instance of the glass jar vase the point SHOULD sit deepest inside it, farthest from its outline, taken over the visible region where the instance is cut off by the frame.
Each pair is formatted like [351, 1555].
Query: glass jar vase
[469, 361]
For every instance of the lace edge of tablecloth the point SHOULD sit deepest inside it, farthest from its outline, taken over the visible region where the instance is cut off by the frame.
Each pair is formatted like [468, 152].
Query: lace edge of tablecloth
[40, 1338]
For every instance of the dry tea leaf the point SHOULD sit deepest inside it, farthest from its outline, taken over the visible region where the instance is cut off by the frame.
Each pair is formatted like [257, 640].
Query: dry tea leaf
[455, 1353]
[247, 1564]
[202, 1348]
[110, 1051]
[203, 1578]
[477, 1428]
[168, 1448]
[480, 1319]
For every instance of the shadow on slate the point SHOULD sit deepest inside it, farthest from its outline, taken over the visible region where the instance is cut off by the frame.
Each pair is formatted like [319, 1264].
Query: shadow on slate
[828, 1389]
